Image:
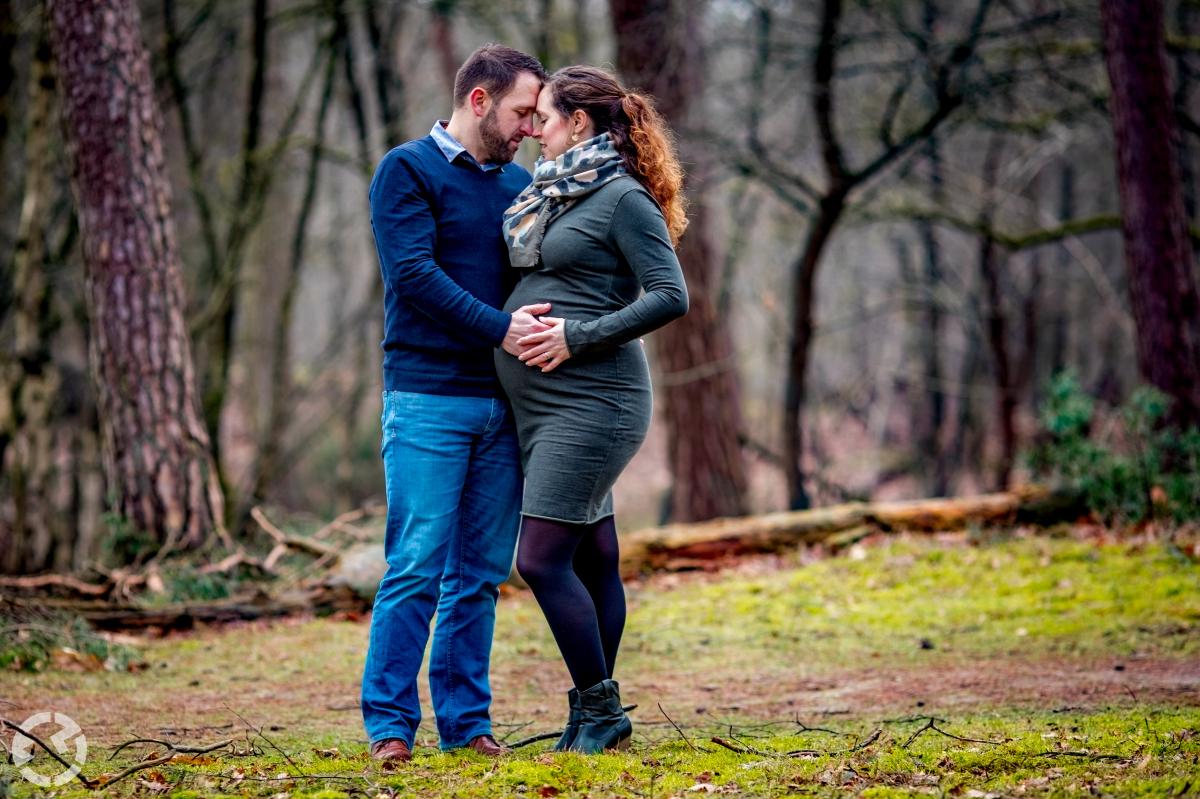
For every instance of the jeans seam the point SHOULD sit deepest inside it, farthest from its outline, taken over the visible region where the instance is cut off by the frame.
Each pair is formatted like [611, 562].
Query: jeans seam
[487, 427]
[463, 740]
[451, 682]
[408, 738]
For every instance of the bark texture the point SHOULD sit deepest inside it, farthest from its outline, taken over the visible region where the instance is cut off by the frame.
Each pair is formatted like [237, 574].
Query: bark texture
[158, 463]
[1158, 253]
[658, 51]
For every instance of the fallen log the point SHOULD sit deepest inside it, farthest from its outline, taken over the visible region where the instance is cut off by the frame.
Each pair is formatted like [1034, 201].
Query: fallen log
[319, 598]
[684, 546]
[350, 587]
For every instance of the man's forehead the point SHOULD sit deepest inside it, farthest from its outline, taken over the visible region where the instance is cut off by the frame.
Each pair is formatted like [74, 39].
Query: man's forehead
[524, 91]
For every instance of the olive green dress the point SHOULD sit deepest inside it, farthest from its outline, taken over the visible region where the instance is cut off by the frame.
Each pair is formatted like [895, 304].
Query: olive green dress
[580, 424]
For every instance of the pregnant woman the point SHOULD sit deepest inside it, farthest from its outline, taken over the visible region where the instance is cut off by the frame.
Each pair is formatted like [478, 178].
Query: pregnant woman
[592, 232]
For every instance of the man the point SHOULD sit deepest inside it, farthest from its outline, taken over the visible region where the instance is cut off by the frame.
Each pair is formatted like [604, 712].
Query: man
[451, 461]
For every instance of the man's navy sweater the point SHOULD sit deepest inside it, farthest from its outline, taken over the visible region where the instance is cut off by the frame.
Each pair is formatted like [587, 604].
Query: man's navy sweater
[445, 267]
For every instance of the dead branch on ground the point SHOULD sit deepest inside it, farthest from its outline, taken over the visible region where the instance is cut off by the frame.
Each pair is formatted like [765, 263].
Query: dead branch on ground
[343, 522]
[105, 781]
[741, 747]
[686, 740]
[291, 541]
[1092, 755]
[258, 731]
[181, 749]
[18, 730]
[931, 724]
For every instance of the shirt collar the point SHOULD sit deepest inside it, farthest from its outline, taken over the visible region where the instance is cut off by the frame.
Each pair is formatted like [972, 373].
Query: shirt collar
[452, 148]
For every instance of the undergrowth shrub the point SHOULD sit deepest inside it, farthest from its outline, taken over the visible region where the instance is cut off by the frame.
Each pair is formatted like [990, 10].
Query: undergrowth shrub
[1128, 468]
[35, 640]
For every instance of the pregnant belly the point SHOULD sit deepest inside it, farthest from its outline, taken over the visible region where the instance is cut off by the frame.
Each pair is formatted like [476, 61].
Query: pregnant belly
[566, 301]
[604, 377]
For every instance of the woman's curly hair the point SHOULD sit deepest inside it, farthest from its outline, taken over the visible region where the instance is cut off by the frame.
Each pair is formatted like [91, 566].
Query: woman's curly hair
[639, 132]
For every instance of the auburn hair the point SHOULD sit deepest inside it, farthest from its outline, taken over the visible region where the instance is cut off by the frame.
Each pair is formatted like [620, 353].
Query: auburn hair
[639, 132]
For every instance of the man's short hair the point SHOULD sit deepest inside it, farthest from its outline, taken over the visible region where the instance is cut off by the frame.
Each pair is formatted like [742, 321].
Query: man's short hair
[495, 68]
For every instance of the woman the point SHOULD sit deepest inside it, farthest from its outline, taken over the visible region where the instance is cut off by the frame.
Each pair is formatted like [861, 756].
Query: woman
[594, 228]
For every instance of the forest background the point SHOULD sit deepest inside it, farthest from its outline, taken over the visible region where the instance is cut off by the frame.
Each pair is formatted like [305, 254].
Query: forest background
[907, 219]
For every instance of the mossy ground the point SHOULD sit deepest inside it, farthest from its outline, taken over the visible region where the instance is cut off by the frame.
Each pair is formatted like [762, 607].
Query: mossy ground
[1077, 661]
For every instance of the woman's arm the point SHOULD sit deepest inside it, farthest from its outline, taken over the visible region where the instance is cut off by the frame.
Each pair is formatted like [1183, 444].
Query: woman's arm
[639, 233]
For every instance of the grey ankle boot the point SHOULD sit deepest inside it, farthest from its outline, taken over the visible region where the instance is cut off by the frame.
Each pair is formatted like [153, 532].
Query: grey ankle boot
[602, 722]
[568, 736]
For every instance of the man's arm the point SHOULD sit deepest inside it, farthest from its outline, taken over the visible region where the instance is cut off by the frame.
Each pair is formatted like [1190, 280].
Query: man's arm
[406, 233]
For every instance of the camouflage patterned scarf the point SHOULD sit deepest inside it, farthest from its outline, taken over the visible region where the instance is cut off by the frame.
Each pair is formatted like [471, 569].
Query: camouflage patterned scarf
[556, 186]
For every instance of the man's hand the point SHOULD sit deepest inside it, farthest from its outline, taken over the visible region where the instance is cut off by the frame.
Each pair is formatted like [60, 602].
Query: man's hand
[523, 324]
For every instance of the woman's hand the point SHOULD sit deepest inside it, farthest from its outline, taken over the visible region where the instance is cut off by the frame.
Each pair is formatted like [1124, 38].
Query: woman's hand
[546, 349]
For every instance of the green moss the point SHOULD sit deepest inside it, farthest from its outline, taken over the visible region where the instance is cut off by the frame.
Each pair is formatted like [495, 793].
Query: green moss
[1032, 595]
[1002, 599]
[1133, 752]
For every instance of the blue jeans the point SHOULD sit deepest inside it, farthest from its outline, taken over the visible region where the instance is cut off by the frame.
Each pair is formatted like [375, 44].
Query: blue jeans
[453, 473]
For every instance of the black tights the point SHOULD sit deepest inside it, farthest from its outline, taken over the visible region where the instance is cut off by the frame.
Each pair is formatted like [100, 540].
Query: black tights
[573, 570]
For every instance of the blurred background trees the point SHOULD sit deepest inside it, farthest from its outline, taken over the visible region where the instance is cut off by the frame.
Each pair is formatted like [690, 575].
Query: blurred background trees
[907, 216]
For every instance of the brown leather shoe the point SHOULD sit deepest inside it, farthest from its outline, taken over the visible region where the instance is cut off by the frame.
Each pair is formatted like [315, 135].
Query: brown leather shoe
[391, 749]
[486, 745]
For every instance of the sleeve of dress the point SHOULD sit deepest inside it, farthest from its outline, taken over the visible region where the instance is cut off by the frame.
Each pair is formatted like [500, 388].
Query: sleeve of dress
[639, 233]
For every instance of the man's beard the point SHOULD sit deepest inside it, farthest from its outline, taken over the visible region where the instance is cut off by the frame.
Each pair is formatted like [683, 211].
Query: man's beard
[495, 145]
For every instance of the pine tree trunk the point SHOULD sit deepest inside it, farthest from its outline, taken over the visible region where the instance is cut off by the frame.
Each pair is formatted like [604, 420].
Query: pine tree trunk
[658, 52]
[1158, 253]
[158, 463]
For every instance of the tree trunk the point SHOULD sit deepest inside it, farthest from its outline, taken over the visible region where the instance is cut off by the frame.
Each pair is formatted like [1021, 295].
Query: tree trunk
[443, 40]
[8, 69]
[388, 82]
[543, 34]
[1158, 254]
[1063, 290]
[246, 213]
[279, 407]
[996, 327]
[159, 467]
[389, 89]
[932, 398]
[658, 51]
[33, 531]
[1031, 311]
[1187, 15]
[582, 32]
[799, 348]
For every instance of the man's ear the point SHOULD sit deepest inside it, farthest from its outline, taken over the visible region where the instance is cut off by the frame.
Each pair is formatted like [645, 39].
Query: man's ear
[479, 101]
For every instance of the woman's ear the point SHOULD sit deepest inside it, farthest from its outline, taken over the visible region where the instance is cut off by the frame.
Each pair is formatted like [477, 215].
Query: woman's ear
[579, 121]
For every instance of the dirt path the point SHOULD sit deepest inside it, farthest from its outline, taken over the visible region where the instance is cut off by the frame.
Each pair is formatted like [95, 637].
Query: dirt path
[295, 700]
[299, 677]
